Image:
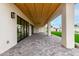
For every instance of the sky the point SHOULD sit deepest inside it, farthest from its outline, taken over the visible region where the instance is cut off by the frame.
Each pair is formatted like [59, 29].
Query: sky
[57, 21]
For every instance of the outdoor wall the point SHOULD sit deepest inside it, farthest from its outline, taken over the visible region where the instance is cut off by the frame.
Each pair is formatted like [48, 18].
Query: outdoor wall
[8, 26]
[36, 30]
[40, 29]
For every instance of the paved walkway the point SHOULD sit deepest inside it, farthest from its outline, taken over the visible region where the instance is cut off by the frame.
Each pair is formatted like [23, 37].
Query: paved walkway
[40, 45]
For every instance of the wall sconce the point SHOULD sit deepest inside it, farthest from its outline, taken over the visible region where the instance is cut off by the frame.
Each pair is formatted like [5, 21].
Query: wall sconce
[12, 15]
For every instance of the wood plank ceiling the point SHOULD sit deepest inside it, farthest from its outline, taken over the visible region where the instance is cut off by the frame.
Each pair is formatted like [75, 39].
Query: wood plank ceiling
[38, 13]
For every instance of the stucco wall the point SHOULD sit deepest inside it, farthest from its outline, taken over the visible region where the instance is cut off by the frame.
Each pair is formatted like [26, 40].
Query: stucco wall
[8, 26]
[41, 29]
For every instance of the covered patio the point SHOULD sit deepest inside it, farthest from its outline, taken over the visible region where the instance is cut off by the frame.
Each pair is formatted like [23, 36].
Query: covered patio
[39, 16]
[40, 44]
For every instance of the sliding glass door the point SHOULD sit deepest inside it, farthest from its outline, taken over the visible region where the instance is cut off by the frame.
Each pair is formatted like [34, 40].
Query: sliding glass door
[22, 28]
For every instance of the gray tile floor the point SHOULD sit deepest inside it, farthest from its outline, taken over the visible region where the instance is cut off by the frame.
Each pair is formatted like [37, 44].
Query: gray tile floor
[40, 45]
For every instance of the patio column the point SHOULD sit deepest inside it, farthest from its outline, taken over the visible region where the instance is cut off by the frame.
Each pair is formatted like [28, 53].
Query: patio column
[48, 29]
[30, 30]
[68, 26]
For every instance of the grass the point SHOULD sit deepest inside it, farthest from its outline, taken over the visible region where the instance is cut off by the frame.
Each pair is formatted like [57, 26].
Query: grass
[57, 33]
[77, 38]
[60, 34]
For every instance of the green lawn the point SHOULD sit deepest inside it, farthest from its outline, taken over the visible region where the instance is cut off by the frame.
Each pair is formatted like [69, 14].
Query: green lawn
[77, 38]
[60, 34]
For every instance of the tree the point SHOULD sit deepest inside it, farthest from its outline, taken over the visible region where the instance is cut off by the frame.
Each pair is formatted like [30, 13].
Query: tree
[76, 25]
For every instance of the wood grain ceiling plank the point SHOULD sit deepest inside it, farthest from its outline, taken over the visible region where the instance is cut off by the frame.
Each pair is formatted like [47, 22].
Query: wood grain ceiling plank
[38, 9]
[38, 13]
[45, 11]
[55, 6]
[30, 10]
[21, 6]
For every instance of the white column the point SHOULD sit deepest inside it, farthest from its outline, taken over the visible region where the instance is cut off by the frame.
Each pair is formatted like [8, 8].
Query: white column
[46, 33]
[48, 29]
[30, 30]
[68, 25]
